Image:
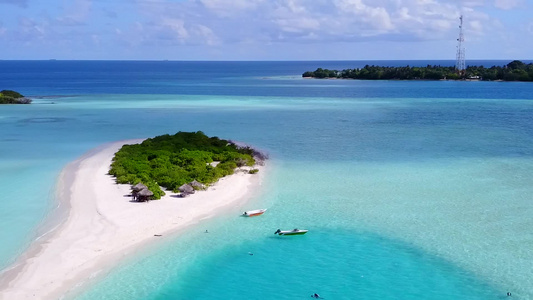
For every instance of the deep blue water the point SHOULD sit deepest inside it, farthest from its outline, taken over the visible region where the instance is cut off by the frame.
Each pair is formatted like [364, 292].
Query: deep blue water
[231, 79]
[410, 189]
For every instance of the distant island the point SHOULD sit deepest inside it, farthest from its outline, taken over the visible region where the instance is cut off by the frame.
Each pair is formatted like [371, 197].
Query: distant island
[12, 97]
[180, 162]
[513, 71]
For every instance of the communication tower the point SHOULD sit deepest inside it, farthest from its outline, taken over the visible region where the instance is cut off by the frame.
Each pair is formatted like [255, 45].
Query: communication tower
[460, 58]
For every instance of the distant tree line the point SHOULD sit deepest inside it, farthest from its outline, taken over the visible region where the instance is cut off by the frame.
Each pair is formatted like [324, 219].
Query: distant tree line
[170, 161]
[513, 71]
[12, 97]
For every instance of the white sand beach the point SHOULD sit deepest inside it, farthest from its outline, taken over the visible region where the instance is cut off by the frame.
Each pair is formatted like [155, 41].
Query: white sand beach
[102, 225]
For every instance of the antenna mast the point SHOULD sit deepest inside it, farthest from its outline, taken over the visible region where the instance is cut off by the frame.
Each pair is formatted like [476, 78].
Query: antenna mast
[460, 58]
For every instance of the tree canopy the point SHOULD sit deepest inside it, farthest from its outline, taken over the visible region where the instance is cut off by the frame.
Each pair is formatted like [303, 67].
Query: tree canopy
[513, 71]
[170, 161]
[12, 97]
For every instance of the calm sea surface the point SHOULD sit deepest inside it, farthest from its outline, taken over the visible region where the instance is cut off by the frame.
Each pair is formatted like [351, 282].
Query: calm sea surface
[409, 189]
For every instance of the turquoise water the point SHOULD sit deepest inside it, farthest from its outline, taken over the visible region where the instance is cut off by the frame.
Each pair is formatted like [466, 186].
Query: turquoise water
[338, 264]
[410, 190]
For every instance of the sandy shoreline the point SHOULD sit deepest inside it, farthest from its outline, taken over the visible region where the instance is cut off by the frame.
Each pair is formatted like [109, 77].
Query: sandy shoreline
[102, 226]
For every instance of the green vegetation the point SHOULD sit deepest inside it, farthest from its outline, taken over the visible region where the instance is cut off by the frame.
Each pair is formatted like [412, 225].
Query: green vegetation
[513, 71]
[12, 97]
[173, 160]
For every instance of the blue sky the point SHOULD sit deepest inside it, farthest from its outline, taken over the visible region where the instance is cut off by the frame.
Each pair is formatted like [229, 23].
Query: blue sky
[264, 29]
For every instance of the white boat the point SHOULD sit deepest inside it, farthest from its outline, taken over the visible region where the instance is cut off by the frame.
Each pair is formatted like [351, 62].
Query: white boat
[295, 231]
[253, 213]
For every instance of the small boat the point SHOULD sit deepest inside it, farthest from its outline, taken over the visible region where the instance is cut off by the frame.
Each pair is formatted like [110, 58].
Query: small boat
[295, 231]
[253, 213]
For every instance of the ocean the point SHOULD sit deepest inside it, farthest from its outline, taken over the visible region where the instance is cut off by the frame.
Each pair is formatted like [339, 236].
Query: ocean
[409, 189]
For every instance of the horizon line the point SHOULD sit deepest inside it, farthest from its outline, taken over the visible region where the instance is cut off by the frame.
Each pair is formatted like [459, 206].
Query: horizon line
[284, 60]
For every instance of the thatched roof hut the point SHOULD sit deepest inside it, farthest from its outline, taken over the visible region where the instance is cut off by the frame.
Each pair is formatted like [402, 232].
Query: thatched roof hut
[186, 189]
[196, 184]
[139, 187]
[144, 195]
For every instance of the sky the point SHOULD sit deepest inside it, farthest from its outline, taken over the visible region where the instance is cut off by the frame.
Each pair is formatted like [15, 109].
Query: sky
[264, 29]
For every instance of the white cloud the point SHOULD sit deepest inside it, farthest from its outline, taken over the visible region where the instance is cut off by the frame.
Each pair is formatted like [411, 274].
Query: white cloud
[507, 4]
[266, 27]
[177, 27]
[225, 22]
[206, 34]
[469, 3]
[440, 25]
[402, 15]
[476, 26]
[372, 17]
[30, 29]
[228, 8]
[298, 24]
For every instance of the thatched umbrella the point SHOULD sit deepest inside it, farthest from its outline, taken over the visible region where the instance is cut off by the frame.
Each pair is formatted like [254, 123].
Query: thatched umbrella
[136, 189]
[186, 189]
[145, 194]
[197, 184]
[139, 187]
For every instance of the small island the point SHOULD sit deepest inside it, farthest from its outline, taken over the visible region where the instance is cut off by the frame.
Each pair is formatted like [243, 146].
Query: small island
[513, 71]
[184, 162]
[101, 225]
[12, 97]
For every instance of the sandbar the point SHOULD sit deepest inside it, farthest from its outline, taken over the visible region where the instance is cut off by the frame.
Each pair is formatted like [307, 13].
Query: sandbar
[101, 225]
